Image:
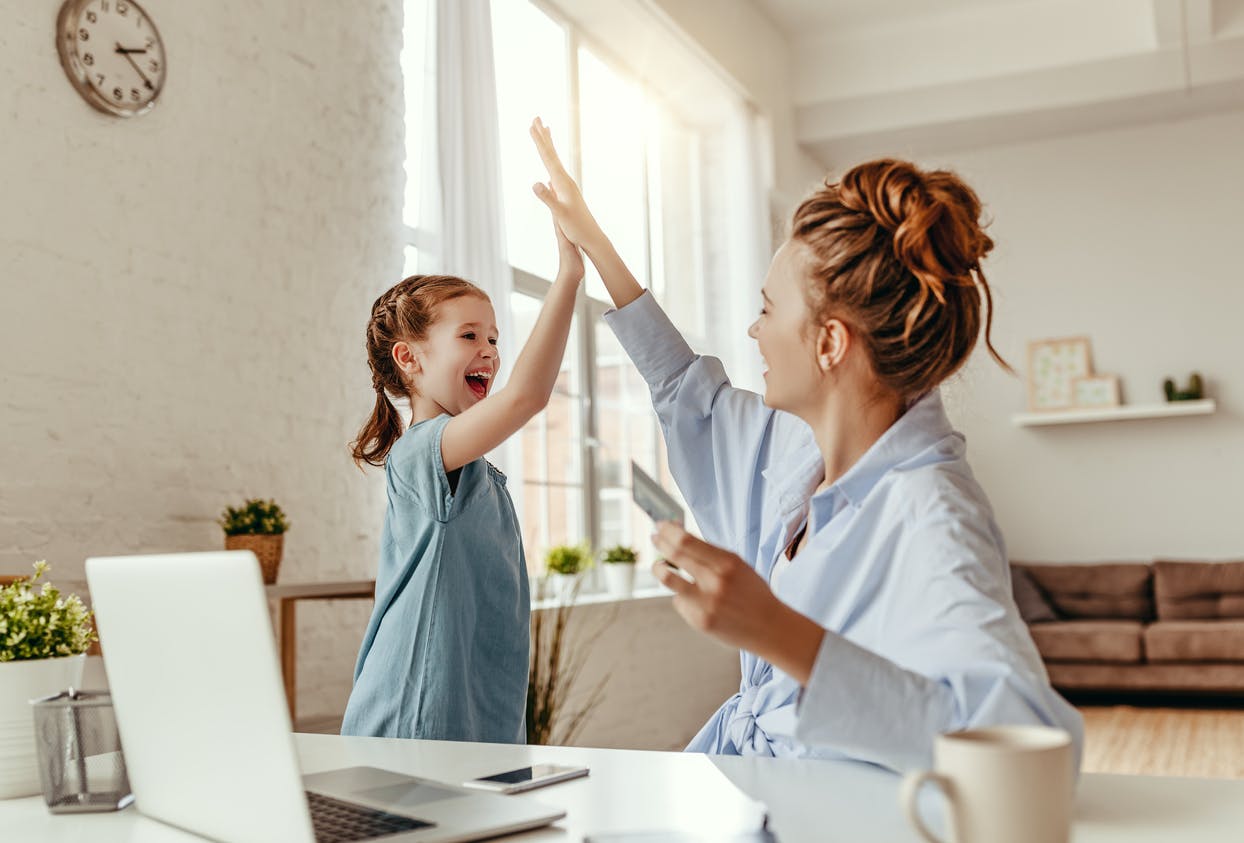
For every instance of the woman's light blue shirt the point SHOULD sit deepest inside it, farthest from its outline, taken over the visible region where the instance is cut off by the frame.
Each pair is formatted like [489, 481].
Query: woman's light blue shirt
[445, 654]
[903, 565]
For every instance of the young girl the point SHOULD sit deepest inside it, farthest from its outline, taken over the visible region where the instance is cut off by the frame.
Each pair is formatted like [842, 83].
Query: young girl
[851, 556]
[445, 654]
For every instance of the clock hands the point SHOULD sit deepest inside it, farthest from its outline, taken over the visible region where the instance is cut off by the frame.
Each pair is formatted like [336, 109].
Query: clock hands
[126, 52]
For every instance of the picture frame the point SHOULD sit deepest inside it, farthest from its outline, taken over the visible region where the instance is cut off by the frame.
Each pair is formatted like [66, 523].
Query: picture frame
[1096, 391]
[1053, 367]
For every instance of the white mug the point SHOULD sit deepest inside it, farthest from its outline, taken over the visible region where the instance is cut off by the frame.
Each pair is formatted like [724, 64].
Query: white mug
[1006, 783]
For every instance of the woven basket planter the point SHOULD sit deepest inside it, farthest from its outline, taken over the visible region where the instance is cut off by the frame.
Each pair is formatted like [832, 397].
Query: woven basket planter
[265, 547]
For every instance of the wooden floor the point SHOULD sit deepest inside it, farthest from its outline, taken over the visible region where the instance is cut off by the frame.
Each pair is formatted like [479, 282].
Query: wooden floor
[1163, 741]
[1148, 740]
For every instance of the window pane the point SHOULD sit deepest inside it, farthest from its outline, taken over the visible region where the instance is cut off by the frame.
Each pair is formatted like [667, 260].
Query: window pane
[552, 449]
[677, 227]
[553, 515]
[552, 443]
[523, 312]
[628, 431]
[529, 50]
[416, 72]
[612, 132]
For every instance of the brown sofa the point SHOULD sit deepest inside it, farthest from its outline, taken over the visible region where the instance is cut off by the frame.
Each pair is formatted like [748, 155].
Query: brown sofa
[1161, 627]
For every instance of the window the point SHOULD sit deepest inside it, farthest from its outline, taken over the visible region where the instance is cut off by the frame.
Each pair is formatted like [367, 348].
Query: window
[640, 159]
[552, 476]
[638, 165]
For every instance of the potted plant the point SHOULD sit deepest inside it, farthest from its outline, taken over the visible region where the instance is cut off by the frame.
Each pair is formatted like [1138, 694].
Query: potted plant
[620, 570]
[565, 565]
[43, 642]
[258, 526]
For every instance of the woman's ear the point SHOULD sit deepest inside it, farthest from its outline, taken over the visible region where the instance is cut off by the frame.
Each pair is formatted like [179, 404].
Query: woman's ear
[832, 342]
[406, 360]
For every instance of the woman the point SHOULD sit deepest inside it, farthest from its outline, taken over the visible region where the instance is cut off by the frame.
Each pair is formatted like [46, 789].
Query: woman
[850, 554]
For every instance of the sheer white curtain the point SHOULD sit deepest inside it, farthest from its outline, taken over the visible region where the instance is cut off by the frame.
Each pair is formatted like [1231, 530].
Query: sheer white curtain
[461, 206]
[740, 245]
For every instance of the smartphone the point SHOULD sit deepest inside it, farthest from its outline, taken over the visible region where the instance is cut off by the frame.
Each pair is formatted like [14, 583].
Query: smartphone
[526, 778]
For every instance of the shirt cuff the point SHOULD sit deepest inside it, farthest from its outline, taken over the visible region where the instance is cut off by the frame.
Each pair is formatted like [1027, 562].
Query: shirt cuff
[650, 339]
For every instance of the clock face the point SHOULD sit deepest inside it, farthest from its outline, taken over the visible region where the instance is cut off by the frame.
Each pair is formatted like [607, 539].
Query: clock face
[112, 53]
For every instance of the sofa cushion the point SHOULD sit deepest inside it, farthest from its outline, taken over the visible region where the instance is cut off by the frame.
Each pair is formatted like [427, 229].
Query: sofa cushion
[1034, 606]
[1100, 590]
[1194, 590]
[1195, 641]
[1089, 641]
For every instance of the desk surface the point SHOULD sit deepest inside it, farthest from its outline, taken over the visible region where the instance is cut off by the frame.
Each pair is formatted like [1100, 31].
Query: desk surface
[631, 790]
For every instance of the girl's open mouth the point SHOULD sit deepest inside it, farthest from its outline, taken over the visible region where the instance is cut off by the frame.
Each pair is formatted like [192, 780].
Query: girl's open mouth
[478, 382]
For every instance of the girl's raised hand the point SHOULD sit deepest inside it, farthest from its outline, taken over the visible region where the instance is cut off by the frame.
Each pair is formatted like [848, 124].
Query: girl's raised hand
[561, 194]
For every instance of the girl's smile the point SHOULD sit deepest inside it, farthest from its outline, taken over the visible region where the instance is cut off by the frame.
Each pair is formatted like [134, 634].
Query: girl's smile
[479, 380]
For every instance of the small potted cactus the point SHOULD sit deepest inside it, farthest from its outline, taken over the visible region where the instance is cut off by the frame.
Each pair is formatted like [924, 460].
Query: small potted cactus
[619, 567]
[1195, 390]
[258, 526]
[565, 565]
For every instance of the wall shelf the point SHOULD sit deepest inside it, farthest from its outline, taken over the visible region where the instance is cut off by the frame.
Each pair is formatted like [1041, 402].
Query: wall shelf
[1123, 413]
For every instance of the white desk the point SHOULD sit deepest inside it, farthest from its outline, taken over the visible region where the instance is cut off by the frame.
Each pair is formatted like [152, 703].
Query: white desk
[629, 790]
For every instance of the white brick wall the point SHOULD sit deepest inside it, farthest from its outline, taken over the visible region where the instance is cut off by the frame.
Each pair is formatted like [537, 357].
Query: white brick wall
[185, 295]
[182, 320]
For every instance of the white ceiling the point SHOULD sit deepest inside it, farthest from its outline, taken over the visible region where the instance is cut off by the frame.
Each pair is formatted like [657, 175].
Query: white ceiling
[915, 77]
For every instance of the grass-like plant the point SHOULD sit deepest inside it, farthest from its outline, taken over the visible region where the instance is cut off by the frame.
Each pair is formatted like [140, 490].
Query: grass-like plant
[620, 554]
[568, 559]
[555, 667]
[42, 624]
[255, 517]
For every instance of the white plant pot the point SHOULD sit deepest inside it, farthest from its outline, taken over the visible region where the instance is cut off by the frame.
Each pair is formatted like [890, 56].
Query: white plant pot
[620, 578]
[21, 682]
[563, 587]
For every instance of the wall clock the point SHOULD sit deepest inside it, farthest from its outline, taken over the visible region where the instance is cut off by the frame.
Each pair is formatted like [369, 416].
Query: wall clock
[112, 53]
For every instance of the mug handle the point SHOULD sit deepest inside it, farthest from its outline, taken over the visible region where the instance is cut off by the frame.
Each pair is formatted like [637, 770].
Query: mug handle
[912, 782]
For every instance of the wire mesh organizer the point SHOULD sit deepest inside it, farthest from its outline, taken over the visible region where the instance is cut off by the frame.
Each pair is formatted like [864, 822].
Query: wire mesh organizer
[80, 762]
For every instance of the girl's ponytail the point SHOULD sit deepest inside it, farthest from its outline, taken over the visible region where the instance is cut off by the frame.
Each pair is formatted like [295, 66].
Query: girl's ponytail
[378, 433]
[402, 314]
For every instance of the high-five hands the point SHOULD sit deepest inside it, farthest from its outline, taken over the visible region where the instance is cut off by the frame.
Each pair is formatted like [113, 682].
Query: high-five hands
[729, 601]
[561, 194]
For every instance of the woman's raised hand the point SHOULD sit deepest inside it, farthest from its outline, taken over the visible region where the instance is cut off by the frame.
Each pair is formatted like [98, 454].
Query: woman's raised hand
[561, 194]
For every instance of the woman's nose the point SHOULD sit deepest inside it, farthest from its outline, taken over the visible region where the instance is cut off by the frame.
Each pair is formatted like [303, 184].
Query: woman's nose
[753, 328]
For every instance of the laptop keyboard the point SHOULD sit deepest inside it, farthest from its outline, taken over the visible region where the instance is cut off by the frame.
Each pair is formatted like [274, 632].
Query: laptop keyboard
[337, 822]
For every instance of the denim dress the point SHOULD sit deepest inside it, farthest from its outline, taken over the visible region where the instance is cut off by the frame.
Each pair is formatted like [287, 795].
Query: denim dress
[445, 654]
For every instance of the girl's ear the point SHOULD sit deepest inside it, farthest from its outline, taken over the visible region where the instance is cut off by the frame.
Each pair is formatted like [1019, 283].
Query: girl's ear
[833, 339]
[406, 360]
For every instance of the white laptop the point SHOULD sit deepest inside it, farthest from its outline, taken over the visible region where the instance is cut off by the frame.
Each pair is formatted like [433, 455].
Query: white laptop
[192, 666]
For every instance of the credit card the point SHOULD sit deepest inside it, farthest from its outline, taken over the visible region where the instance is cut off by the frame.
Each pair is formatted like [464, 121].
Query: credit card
[659, 504]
